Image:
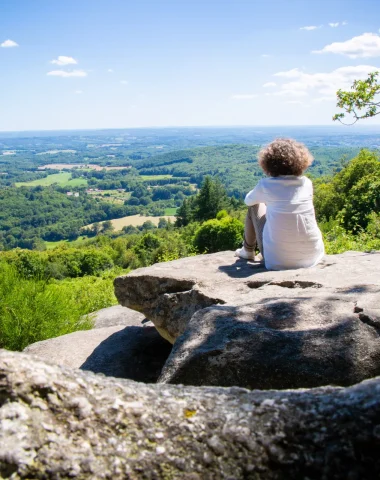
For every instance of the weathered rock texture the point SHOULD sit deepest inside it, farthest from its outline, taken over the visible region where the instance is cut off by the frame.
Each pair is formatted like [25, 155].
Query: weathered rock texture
[135, 351]
[236, 323]
[291, 343]
[117, 315]
[56, 424]
[170, 293]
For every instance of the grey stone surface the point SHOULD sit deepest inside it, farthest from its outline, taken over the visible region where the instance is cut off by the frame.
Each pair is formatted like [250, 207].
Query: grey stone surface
[117, 315]
[57, 423]
[133, 352]
[281, 344]
[170, 293]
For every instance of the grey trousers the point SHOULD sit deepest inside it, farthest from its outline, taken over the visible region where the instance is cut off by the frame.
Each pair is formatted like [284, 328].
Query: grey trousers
[254, 226]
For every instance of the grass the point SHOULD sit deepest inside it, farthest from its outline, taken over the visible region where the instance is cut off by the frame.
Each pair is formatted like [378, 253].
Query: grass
[73, 243]
[156, 177]
[171, 210]
[113, 196]
[63, 179]
[135, 220]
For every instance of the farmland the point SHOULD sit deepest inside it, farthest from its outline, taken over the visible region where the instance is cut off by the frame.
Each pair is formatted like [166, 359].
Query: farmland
[62, 179]
[136, 221]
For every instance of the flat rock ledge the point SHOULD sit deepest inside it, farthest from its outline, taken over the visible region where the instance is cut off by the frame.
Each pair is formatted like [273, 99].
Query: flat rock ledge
[170, 293]
[56, 423]
[233, 323]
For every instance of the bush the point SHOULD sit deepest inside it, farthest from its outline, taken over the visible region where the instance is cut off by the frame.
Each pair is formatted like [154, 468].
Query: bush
[217, 235]
[33, 310]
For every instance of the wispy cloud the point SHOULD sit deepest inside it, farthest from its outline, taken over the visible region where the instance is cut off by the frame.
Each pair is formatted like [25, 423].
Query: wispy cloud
[78, 92]
[366, 45]
[110, 70]
[334, 25]
[295, 102]
[310, 27]
[63, 74]
[9, 44]
[244, 96]
[270, 84]
[63, 60]
[265, 55]
[289, 92]
[124, 82]
[328, 98]
[294, 73]
[324, 84]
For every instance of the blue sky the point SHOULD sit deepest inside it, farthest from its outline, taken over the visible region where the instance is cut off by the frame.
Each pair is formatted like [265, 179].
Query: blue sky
[68, 64]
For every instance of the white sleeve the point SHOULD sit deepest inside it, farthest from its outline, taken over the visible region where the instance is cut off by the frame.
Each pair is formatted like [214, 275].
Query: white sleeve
[255, 196]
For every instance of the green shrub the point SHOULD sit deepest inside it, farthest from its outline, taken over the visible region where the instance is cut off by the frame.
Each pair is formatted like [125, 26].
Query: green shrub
[32, 310]
[217, 235]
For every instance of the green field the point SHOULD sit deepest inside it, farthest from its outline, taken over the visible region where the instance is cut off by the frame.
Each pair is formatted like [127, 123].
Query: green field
[171, 211]
[72, 243]
[63, 179]
[156, 177]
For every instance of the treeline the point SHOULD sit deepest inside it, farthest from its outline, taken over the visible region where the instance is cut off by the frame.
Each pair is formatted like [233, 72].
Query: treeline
[30, 215]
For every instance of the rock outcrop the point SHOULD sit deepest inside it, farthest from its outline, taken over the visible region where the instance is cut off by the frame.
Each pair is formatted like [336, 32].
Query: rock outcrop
[170, 293]
[235, 323]
[291, 343]
[122, 344]
[56, 423]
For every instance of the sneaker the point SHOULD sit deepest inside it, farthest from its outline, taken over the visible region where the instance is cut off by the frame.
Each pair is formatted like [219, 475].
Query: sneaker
[243, 253]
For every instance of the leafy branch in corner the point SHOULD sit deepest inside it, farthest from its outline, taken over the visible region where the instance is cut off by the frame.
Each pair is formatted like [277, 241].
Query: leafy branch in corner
[360, 101]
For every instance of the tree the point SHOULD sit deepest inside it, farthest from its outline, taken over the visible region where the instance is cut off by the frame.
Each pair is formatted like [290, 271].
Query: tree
[107, 226]
[211, 199]
[217, 235]
[360, 102]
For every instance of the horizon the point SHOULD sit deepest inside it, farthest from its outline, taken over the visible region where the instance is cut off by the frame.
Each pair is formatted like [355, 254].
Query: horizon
[184, 127]
[95, 65]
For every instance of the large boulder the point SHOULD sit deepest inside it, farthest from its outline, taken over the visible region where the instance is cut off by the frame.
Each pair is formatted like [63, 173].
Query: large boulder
[56, 423]
[235, 323]
[129, 347]
[170, 293]
[115, 316]
[281, 344]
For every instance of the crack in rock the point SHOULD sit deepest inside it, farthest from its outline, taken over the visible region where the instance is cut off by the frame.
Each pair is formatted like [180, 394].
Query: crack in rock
[285, 284]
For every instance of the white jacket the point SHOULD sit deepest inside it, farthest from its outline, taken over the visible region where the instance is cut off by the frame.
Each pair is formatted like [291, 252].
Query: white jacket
[291, 237]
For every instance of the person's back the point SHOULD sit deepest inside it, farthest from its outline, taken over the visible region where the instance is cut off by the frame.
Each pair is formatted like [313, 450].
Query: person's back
[286, 229]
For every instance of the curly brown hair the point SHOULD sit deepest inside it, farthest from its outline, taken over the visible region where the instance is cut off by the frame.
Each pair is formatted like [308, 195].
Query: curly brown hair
[285, 156]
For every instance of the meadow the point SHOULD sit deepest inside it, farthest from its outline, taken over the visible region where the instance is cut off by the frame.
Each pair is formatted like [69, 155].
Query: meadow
[62, 179]
[136, 221]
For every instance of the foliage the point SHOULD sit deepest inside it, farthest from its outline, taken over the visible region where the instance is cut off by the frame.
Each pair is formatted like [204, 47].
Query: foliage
[33, 310]
[361, 101]
[212, 198]
[352, 194]
[216, 235]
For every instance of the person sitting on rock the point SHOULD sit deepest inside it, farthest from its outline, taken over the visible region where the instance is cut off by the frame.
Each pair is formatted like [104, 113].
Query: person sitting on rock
[281, 218]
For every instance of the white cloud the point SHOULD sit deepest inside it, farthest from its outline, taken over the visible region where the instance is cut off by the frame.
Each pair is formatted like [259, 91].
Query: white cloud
[248, 96]
[325, 84]
[78, 92]
[334, 25]
[62, 60]
[265, 55]
[9, 44]
[294, 73]
[329, 98]
[124, 82]
[290, 93]
[366, 45]
[63, 74]
[295, 102]
[110, 70]
[270, 84]
[310, 27]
